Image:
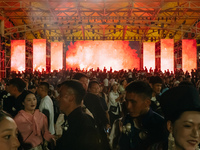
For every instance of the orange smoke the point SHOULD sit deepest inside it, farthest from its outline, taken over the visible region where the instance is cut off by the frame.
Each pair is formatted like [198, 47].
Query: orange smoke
[39, 54]
[189, 55]
[93, 54]
[149, 55]
[17, 55]
[167, 54]
[56, 56]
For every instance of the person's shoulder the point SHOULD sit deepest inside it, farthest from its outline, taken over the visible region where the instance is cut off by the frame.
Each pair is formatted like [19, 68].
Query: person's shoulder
[159, 146]
[93, 97]
[90, 95]
[47, 100]
[19, 115]
[87, 122]
[87, 119]
[101, 98]
[157, 118]
[39, 114]
[156, 115]
[111, 93]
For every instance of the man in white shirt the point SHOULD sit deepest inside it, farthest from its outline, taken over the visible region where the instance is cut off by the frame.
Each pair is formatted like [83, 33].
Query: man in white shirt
[46, 105]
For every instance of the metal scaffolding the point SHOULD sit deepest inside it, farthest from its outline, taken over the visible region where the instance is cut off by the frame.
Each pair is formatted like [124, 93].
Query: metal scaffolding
[61, 20]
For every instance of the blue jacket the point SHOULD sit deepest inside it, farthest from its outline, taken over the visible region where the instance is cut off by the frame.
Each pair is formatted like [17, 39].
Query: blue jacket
[152, 130]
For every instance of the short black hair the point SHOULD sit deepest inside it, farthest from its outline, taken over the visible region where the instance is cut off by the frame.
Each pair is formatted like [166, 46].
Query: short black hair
[79, 75]
[92, 82]
[186, 83]
[155, 79]
[140, 87]
[46, 85]
[19, 83]
[78, 89]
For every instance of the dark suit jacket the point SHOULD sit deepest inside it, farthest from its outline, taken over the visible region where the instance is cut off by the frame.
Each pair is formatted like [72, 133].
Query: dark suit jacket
[152, 124]
[81, 133]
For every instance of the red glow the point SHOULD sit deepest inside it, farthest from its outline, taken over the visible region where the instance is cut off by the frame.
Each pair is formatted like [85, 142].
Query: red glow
[189, 55]
[167, 54]
[149, 55]
[39, 54]
[93, 54]
[56, 55]
[17, 55]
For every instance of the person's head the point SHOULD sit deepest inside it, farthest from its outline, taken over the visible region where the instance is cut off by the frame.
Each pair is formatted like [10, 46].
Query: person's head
[114, 86]
[123, 82]
[176, 83]
[30, 102]
[166, 80]
[43, 89]
[180, 78]
[188, 78]
[71, 95]
[8, 132]
[181, 108]
[32, 88]
[58, 87]
[156, 84]
[83, 79]
[138, 98]
[36, 82]
[16, 87]
[94, 87]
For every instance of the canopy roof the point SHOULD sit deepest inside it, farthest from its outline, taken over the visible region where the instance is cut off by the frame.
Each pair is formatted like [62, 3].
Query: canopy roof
[66, 20]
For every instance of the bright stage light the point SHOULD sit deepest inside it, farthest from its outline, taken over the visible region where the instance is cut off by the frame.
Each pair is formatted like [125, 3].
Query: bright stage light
[56, 55]
[167, 54]
[93, 54]
[17, 55]
[149, 55]
[39, 54]
[189, 55]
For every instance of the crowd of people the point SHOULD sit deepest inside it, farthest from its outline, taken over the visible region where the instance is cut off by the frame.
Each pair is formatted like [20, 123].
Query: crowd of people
[100, 109]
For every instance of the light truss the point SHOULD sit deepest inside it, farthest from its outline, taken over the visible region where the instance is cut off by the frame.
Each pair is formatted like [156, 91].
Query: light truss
[103, 18]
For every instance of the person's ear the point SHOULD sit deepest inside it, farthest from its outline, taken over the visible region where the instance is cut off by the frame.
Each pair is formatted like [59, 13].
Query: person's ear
[72, 98]
[169, 126]
[148, 102]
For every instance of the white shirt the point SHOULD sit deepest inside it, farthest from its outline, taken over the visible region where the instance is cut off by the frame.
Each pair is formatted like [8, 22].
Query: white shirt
[105, 82]
[112, 101]
[46, 103]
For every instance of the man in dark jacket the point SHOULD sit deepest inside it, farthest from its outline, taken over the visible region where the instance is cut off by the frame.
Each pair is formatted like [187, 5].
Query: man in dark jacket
[79, 131]
[13, 104]
[142, 126]
[94, 105]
